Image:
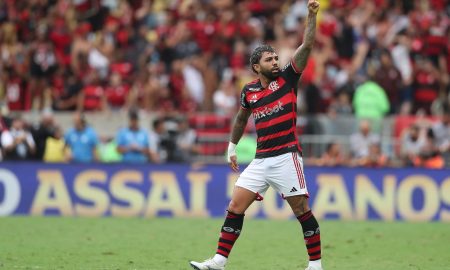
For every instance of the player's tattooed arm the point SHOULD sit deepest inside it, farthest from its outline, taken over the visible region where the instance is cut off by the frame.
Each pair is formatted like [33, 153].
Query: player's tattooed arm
[239, 125]
[302, 53]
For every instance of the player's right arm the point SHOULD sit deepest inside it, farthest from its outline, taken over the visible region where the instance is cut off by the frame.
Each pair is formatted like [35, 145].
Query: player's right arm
[302, 53]
[238, 130]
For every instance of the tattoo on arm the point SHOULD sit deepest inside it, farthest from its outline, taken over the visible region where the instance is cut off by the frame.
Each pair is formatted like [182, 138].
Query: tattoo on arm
[239, 125]
[302, 52]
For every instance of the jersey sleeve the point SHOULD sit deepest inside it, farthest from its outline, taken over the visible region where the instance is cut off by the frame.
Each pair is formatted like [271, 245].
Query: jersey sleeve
[244, 104]
[291, 73]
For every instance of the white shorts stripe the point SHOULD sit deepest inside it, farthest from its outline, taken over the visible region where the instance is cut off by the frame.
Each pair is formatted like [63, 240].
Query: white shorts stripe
[294, 160]
[302, 183]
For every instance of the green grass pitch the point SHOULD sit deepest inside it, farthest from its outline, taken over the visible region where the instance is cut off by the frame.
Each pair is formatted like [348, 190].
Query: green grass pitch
[121, 243]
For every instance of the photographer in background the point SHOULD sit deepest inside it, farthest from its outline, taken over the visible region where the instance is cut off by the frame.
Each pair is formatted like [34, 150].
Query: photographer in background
[186, 142]
[17, 142]
[41, 132]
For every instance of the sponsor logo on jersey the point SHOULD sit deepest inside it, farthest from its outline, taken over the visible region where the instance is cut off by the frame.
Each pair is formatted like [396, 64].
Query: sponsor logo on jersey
[253, 89]
[263, 112]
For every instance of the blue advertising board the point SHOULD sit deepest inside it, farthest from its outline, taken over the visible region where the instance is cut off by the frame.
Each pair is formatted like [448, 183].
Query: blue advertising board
[184, 190]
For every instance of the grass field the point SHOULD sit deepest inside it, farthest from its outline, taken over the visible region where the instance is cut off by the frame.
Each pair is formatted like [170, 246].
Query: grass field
[113, 243]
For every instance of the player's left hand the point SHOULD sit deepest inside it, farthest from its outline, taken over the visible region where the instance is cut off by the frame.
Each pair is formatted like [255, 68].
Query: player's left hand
[313, 6]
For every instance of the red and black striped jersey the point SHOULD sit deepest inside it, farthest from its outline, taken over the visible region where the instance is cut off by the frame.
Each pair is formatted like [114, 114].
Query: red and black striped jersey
[274, 110]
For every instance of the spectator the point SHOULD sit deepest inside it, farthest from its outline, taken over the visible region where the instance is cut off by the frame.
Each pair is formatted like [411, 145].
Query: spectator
[413, 140]
[13, 53]
[17, 142]
[15, 90]
[132, 142]
[92, 96]
[169, 138]
[82, 140]
[441, 131]
[80, 49]
[361, 141]
[403, 63]
[194, 84]
[157, 151]
[426, 85]
[107, 150]
[389, 78]
[341, 104]
[68, 98]
[333, 156]
[41, 132]
[226, 98]
[43, 65]
[374, 159]
[117, 92]
[370, 101]
[162, 141]
[429, 156]
[55, 147]
[186, 141]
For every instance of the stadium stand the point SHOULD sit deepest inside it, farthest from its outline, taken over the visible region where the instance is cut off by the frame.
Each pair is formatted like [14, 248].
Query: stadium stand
[188, 58]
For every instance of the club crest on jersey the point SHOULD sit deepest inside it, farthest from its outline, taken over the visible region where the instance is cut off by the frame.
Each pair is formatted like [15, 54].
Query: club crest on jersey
[274, 86]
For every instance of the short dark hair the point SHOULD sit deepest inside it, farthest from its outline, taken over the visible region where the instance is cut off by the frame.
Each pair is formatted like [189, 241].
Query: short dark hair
[257, 54]
[133, 114]
[156, 122]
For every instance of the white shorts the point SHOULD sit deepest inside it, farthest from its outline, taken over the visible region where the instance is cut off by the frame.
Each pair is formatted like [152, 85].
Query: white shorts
[284, 173]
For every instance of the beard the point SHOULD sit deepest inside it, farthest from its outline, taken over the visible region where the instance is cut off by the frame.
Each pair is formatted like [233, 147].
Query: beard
[269, 74]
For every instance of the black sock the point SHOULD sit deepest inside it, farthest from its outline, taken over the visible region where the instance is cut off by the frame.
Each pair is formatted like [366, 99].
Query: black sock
[311, 233]
[231, 230]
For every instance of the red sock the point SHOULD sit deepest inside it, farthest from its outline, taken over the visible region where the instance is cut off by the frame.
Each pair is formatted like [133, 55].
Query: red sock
[311, 233]
[230, 232]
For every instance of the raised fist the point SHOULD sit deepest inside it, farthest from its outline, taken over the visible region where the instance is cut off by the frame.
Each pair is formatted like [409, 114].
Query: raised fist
[313, 6]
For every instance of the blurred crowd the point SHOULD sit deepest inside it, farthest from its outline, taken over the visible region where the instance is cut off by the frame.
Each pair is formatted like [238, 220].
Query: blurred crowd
[372, 58]
[169, 139]
[424, 142]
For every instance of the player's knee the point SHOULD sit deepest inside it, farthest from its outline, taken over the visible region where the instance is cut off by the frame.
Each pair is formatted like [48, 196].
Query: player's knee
[300, 211]
[235, 207]
[300, 207]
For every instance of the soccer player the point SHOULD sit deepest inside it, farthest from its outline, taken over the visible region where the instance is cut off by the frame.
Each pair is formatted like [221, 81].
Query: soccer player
[271, 99]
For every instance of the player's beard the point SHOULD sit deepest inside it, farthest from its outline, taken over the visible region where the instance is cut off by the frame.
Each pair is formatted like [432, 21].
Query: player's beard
[269, 74]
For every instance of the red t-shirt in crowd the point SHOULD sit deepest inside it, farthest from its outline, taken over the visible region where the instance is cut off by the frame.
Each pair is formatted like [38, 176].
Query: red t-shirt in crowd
[117, 95]
[16, 95]
[93, 97]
